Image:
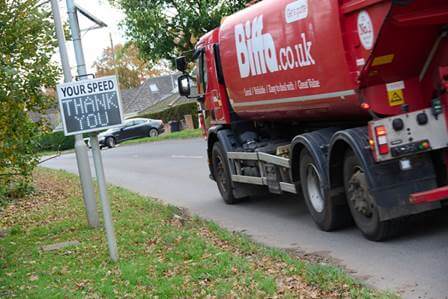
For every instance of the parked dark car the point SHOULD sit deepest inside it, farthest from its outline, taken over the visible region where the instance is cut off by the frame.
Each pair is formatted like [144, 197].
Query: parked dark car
[131, 129]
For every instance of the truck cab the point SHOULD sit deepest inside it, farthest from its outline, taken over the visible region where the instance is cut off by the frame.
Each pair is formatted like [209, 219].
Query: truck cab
[210, 81]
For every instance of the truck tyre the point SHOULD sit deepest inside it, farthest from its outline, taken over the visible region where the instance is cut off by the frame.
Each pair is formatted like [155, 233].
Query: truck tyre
[221, 173]
[325, 213]
[362, 204]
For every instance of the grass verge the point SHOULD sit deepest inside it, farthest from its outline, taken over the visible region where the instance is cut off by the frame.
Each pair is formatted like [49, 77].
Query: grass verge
[164, 253]
[185, 134]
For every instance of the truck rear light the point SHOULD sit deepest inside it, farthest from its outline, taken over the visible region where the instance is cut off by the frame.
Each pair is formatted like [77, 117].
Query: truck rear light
[372, 144]
[383, 149]
[381, 139]
[380, 131]
[365, 106]
[424, 145]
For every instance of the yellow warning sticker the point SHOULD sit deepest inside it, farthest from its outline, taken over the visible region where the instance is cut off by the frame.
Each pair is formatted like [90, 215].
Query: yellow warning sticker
[381, 60]
[395, 93]
[396, 97]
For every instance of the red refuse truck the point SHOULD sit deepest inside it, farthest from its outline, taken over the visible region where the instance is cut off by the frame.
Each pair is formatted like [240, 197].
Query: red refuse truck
[343, 101]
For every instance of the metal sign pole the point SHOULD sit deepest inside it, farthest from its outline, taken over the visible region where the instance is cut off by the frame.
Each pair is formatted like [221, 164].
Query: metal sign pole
[108, 224]
[81, 65]
[82, 158]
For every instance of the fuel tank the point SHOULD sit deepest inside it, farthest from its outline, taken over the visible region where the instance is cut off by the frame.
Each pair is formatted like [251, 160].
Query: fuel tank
[320, 60]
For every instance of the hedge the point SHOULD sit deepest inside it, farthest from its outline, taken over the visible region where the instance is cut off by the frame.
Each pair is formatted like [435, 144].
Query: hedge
[56, 141]
[176, 113]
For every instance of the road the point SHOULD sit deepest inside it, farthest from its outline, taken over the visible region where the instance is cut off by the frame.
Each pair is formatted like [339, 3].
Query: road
[414, 265]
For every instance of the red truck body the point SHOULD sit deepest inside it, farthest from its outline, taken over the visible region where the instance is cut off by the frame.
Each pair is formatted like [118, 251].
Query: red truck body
[281, 63]
[313, 64]
[310, 72]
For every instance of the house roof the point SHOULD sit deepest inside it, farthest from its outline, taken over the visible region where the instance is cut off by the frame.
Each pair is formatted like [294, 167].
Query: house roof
[152, 91]
[169, 101]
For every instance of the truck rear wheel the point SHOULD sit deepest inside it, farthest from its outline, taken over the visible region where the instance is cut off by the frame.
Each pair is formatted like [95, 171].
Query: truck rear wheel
[362, 204]
[325, 213]
[221, 173]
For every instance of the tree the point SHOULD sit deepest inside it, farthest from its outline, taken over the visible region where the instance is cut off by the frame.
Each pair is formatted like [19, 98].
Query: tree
[164, 29]
[126, 62]
[27, 43]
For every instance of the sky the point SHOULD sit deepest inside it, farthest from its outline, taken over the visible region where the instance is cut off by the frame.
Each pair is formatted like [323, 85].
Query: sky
[94, 41]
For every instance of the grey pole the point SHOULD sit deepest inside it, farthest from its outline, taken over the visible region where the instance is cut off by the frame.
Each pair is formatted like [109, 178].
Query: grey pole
[82, 158]
[96, 152]
[108, 224]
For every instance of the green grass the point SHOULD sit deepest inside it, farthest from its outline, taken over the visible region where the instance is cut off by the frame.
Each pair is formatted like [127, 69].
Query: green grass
[163, 253]
[185, 134]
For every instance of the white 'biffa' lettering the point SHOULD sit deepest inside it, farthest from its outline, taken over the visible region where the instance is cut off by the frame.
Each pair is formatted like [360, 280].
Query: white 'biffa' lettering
[257, 54]
[255, 51]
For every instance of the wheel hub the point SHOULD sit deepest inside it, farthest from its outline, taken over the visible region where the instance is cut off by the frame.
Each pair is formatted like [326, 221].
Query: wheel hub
[314, 188]
[221, 176]
[153, 133]
[359, 194]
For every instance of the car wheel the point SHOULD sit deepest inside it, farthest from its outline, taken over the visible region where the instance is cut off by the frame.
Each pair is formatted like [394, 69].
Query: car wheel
[325, 212]
[221, 174]
[153, 133]
[362, 204]
[110, 142]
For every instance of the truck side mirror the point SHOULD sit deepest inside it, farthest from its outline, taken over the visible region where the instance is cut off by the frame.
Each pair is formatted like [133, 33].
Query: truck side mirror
[183, 83]
[181, 64]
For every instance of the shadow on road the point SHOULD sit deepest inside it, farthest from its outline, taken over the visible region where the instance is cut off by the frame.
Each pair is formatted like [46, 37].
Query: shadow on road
[428, 224]
[425, 225]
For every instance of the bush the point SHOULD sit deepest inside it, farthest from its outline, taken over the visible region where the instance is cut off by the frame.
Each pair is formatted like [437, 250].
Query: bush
[27, 44]
[56, 141]
[176, 113]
